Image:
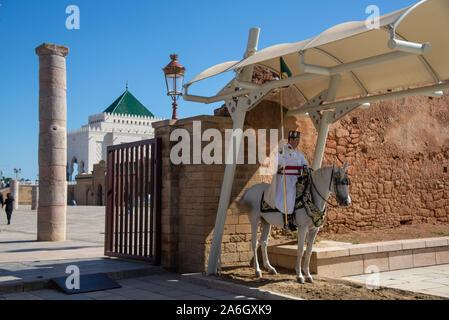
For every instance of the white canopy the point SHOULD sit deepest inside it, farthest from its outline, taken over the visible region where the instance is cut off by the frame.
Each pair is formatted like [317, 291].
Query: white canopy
[364, 58]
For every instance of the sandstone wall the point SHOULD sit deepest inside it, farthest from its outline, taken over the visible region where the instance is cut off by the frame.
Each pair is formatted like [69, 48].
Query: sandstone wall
[24, 194]
[190, 195]
[398, 153]
[89, 189]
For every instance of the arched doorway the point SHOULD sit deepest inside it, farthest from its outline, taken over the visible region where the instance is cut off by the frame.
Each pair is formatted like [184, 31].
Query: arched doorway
[74, 169]
[100, 195]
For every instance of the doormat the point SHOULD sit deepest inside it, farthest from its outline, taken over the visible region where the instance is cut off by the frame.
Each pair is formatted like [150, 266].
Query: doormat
[87, 283]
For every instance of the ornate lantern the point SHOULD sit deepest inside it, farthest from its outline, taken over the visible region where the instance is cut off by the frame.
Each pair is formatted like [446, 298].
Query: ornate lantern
[174, 78]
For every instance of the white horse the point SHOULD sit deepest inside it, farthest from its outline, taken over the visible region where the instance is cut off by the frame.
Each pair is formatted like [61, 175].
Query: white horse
[325, 181]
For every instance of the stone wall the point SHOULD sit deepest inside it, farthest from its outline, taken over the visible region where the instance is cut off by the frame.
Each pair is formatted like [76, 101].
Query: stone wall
[24, 194]
[89, 189]
[398, 156]
[190, 195]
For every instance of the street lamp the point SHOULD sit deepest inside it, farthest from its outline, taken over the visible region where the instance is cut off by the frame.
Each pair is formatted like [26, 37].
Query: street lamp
[174, 78]
[17, 171]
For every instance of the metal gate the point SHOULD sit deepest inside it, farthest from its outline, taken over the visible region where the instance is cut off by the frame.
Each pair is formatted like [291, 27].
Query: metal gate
[133, 208]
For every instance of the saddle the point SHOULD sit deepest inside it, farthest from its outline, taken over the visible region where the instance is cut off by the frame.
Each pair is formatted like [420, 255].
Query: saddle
[303, 199]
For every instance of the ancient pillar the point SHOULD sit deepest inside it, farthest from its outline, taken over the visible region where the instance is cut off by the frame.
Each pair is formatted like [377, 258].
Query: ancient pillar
[34, 197]
[14, 187]
[51, 217]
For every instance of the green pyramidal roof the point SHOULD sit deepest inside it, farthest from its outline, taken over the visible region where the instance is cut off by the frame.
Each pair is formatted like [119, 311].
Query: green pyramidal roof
[128, 104]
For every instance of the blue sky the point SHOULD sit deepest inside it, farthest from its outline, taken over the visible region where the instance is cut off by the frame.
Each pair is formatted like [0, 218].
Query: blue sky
[121, 41]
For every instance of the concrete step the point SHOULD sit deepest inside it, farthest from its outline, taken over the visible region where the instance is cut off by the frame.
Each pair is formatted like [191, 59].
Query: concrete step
[333, 259]
[28, 276]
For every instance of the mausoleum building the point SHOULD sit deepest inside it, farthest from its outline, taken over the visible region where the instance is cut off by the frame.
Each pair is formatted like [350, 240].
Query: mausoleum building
[125, 120]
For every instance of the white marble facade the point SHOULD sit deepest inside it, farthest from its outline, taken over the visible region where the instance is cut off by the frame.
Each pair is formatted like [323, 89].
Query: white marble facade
[87, 145]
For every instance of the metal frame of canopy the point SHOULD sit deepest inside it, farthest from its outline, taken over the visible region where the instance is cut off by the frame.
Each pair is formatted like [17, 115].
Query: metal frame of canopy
[241, 95]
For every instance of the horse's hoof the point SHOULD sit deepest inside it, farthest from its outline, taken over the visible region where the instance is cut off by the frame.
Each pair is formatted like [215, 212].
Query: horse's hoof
[300, 280]
[272, 271]
[309, 279]
[259, 274]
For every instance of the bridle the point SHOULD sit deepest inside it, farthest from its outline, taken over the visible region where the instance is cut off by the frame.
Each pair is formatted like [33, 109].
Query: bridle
[345, 181]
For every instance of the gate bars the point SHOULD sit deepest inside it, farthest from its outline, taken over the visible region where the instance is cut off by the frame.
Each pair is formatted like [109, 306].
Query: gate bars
[133, 209]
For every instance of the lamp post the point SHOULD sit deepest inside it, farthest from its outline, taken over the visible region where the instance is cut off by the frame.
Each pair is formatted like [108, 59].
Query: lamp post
[174, 78]
[17, 171]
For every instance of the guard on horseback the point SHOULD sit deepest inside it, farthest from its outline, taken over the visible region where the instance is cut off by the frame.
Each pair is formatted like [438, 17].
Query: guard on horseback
[282, 191]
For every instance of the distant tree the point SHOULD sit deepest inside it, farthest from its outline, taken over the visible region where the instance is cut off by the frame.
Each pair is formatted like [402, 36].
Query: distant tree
[5, 181]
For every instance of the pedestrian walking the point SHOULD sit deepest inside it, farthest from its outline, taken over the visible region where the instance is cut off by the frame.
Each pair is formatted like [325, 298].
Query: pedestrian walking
[1, 199]
[9, 203]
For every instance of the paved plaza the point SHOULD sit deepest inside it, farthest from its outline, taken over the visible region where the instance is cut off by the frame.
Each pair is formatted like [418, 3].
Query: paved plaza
[155, 287]
[27, 261]
[432, 280]
[85, 236]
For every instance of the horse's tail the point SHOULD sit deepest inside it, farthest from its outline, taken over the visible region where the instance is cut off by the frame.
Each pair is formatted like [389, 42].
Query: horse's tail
[242, 204]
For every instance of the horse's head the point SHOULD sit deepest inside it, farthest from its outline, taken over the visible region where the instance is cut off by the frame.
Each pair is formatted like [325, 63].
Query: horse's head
[340, 185]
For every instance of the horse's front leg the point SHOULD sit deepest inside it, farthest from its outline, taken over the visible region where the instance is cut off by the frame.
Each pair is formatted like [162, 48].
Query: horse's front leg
[310, 241]
[301, 238]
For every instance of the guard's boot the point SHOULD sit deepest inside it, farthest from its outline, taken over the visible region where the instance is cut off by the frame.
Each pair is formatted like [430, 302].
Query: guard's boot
[291, 224]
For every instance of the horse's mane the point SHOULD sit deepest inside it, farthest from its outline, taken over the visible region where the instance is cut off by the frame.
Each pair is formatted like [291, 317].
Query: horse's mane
[320, 173]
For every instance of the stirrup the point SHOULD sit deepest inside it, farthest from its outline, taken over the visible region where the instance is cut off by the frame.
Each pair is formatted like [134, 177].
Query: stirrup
[290, 227]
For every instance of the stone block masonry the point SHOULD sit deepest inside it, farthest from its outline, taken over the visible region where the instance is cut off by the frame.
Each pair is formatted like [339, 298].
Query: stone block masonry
[190, 195]
[357, 259]
[52, 142]
[398, 156]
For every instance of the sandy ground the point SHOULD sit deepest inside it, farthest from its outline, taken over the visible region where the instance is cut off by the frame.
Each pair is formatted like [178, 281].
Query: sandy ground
[332, 289]
[322, 289]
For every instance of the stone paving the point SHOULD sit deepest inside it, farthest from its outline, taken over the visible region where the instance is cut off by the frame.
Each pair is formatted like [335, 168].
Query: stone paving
[432, 280]
[24, 261]
[85, 234]
[155, 287]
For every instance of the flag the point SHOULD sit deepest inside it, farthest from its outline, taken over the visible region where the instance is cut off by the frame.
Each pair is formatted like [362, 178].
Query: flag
[285, 69]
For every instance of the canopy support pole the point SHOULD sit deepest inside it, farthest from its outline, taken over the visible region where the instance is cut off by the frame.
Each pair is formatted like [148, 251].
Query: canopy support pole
[325, 121]
[237, 110]
[226, 189]
[321, 140]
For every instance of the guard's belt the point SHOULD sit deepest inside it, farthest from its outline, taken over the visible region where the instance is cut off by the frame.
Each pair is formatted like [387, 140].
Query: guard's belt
[291, 170]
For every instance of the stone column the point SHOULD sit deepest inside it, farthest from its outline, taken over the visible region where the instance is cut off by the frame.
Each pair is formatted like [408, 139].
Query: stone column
[14, 187]
[34, 197]
[51, 217]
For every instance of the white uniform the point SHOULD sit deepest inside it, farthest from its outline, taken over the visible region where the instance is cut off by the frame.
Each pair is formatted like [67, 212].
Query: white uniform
[293, 160]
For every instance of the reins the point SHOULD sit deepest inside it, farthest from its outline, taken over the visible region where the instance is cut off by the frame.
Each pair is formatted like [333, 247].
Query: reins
[330, 184]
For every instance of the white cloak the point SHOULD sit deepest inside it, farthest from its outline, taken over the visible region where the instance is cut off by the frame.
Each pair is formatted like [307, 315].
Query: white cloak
[274, 195]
